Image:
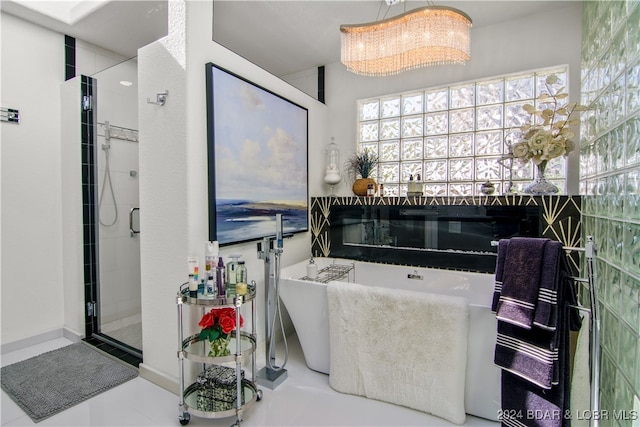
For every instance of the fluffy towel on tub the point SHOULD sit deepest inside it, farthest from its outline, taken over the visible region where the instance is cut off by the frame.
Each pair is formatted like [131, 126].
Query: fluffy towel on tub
[402, 347]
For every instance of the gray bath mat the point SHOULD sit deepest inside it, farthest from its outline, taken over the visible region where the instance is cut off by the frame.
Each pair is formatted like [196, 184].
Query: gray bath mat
[54, 381]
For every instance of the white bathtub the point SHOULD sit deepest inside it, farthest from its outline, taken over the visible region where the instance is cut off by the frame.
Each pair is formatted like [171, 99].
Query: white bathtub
[306, 303]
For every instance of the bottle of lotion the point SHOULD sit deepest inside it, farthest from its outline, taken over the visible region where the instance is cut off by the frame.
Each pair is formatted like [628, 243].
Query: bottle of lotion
[241, 286]
[192, 263]
[220, 278]
[210, 256]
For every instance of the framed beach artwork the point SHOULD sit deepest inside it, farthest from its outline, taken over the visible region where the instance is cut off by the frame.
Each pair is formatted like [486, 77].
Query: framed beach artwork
[257, 159]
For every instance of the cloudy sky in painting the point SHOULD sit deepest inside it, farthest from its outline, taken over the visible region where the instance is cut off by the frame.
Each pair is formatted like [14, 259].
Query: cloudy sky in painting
[260, 143]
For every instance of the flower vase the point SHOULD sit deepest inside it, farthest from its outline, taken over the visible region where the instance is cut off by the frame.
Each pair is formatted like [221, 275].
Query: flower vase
[540, 186]
[220, 347]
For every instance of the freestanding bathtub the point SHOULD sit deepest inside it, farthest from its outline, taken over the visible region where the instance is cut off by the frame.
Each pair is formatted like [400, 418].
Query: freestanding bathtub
[306, 302]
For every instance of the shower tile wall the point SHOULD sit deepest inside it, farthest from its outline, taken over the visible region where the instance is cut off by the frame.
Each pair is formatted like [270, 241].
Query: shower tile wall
[610, 181]
[89, 198]
[120, 295]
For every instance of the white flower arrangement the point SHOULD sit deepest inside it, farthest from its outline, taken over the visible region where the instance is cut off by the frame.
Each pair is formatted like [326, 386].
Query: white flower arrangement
[549, 135]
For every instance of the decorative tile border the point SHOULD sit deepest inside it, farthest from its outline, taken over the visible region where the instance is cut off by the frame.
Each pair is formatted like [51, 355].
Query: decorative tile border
[560, 215]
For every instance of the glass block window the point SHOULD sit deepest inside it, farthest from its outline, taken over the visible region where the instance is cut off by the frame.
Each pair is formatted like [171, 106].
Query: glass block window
[454, 137]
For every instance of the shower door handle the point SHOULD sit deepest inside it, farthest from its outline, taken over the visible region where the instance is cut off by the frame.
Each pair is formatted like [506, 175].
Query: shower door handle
[131, 229]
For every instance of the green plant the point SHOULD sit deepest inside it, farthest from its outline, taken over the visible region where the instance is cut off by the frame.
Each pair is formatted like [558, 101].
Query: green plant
[361, 164]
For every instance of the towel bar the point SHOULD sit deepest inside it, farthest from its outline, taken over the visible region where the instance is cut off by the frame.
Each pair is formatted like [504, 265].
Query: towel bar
[566, 248]
[594, 326]
[580, 279]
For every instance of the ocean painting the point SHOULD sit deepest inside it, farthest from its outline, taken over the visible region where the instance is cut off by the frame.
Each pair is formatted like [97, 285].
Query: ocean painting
[257, 152]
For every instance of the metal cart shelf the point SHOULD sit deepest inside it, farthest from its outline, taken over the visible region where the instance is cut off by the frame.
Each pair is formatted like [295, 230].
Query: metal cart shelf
[193, 350]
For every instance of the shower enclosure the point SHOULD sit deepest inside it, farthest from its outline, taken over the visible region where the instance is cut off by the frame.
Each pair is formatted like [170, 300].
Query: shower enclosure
[117, 294]
[118, 218]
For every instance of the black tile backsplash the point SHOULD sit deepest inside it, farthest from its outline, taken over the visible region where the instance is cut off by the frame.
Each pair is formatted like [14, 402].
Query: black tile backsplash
[449, 233]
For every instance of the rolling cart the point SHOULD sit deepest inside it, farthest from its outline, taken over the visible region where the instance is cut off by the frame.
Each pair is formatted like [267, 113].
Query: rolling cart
[194, 398]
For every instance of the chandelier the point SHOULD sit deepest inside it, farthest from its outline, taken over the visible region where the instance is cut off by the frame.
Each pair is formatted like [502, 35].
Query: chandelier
[430, 35]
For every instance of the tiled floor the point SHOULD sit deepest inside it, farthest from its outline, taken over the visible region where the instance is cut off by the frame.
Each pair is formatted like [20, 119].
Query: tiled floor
[303, 399]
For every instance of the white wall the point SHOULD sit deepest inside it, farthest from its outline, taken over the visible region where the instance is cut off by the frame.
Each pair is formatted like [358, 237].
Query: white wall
[538, 41]
[92, 59]
[306, 81]
[41, 217]
[72, 240]
[32, 287]
[173, 174]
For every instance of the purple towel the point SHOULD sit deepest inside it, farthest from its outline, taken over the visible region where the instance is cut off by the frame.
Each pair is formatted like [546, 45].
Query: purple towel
[553, 266]
[521, 280]
[523, 402]
[530, 354]
[503, 244]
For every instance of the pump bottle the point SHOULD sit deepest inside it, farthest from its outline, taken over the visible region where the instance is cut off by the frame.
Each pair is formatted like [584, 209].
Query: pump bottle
[312, 269]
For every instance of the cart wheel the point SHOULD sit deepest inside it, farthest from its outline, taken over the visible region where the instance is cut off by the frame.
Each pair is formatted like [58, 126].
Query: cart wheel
[259, 395]
[184, 419]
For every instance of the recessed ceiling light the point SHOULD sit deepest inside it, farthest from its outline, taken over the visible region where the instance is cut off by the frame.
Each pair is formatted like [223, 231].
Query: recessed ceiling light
[126, 83]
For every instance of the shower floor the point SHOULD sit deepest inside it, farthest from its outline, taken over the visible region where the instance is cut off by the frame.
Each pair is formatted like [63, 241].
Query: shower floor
[127, 330]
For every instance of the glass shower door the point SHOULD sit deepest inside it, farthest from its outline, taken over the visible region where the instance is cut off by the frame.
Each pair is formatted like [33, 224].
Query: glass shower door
[119, 293]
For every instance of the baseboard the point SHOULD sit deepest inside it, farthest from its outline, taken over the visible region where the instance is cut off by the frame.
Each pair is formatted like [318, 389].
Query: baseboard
[158, 378]
[72, 335]
[40, 338]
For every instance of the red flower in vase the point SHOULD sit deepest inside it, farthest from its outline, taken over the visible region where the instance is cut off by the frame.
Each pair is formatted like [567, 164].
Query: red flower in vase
[218, 322]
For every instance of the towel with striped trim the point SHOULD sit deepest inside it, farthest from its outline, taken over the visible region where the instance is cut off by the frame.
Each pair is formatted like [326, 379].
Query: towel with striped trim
[526, 281]
[527, 353]
[555, 268]
[531, 355]
[527, 345]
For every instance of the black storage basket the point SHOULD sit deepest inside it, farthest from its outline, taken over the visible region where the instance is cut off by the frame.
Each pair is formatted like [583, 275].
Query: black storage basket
[218, 384]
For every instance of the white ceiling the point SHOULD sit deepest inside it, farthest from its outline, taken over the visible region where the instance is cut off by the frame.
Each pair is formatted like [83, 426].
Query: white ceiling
[282, 37]
[119, 26]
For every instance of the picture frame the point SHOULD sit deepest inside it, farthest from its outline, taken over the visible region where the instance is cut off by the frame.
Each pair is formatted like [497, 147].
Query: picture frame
[257, 145]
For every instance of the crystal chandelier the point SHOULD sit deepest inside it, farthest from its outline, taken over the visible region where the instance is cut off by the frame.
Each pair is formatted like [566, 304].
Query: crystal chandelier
[430, 35]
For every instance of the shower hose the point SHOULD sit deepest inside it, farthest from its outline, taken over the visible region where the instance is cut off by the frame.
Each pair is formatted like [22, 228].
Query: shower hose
[277, 313]
[107, 180]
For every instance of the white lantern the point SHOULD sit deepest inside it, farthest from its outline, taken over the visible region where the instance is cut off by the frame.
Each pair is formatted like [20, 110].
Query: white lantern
[332, 172]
